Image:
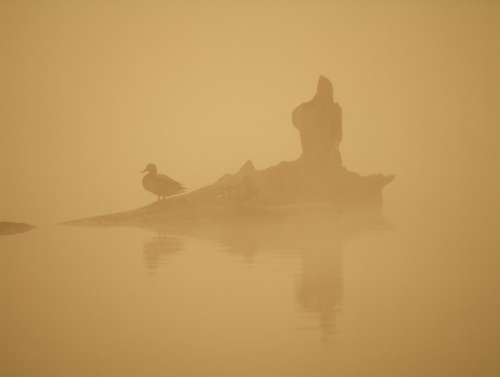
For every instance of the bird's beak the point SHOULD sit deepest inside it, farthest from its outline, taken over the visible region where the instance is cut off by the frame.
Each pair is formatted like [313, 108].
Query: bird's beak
[144, 171]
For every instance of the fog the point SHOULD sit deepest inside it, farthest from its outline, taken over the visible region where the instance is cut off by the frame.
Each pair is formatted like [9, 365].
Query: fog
[93, 91]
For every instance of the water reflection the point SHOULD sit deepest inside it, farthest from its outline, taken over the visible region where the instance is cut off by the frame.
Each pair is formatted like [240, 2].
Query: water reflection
[243, 244]
[157, 250]
[320, 285]
[315, 246]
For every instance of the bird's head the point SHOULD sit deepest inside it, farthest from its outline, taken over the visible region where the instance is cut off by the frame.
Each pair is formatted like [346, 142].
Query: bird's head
[150, 168]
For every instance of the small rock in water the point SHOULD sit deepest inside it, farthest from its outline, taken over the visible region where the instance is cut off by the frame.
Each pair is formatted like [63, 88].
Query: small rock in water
[13, 228]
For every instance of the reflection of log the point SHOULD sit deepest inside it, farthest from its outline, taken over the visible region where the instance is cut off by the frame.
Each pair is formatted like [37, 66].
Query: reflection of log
[320, 287]
[13, 228]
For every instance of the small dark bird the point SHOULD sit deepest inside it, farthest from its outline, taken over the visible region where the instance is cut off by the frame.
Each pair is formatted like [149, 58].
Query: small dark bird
[160, 184]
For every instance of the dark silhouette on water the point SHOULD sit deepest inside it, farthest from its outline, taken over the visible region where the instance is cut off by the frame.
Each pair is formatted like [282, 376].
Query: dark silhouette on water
[160, 184]
[7, 228]
[315, 182]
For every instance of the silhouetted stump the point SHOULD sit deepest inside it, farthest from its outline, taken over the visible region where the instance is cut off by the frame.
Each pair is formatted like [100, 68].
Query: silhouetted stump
[319, 122]
[317, 177]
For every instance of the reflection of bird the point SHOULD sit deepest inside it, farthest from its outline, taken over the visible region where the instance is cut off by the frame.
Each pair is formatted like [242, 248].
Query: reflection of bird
[160, 184]
[158, 249]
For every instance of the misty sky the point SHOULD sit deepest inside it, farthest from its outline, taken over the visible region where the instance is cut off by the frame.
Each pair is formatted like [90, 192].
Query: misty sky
[92, 91]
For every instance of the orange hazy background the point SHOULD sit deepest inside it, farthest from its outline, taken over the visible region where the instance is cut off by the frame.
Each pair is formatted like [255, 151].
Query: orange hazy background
[92, 91]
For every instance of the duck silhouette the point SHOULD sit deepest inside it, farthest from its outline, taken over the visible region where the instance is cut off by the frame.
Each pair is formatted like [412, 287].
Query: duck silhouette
[160, 184]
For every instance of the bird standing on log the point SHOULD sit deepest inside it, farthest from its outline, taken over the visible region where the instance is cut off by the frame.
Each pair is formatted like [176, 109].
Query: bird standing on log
[160, 184]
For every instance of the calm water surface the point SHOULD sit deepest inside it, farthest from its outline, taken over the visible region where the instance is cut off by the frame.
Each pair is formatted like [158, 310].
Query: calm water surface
[127, 302]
